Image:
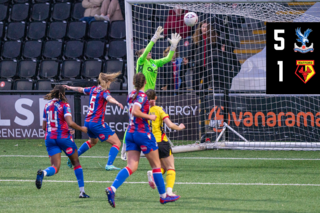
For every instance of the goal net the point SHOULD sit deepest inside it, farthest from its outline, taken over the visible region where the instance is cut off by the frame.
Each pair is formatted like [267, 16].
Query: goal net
[216, 82]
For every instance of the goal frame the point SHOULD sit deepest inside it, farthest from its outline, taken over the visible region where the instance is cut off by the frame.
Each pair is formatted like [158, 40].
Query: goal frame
[266, 145]
[129, 30]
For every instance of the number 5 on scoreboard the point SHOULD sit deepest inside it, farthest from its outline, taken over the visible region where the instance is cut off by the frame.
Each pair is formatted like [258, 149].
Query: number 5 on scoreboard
[277, 38]
[280, 63]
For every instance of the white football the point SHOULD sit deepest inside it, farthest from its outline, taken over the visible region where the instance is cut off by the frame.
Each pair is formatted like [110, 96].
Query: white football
[191, 19]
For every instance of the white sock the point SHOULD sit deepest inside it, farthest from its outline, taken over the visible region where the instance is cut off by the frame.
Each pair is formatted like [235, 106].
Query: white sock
[44, 173]
[163, 195]
[169, 190]
[81, 189]
[113, 189]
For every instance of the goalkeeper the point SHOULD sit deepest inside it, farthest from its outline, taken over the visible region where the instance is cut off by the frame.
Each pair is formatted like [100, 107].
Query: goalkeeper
[165, 152]
[149, 67]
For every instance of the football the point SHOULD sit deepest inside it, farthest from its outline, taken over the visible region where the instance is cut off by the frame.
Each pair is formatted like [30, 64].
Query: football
[191, 19]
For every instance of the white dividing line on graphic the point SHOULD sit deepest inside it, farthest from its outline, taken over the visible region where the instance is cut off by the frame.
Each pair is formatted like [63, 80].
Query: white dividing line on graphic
[179, 183]
[187, 158]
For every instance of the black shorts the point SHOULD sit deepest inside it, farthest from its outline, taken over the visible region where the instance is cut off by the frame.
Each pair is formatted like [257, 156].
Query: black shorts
[164, 149]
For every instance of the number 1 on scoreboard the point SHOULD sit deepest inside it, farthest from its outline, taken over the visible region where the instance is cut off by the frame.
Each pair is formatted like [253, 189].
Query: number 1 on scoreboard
[280, 63]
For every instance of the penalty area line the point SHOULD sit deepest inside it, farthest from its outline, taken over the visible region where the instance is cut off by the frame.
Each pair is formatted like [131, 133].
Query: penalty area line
[187, 158]
[179, 183]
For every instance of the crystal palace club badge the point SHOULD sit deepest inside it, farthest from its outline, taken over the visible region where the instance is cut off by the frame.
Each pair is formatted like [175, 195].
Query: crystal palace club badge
[303, 38]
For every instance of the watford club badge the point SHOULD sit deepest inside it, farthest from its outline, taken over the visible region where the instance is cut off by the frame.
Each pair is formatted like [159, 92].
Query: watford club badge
[305, 70]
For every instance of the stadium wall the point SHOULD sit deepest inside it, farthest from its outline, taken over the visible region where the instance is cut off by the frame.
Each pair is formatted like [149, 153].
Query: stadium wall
[252, 115]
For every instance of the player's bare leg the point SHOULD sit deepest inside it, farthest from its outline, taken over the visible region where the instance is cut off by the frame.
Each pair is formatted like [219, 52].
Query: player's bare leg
[79, 173]
[53, 169]
[85, 147]
[168, 163]
[116, 144]
[155, 163]
[151, 182]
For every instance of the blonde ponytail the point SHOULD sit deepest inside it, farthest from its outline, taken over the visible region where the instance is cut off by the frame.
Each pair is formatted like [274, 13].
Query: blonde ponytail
[105, 78]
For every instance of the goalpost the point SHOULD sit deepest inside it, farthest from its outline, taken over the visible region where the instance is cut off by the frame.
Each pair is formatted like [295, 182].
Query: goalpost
[220, 96]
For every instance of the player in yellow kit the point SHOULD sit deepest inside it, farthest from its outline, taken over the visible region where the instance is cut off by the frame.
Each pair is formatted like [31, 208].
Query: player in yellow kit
[165, 152]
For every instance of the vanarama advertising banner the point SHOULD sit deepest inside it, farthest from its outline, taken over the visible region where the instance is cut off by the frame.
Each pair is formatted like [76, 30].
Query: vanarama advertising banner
[260, 117]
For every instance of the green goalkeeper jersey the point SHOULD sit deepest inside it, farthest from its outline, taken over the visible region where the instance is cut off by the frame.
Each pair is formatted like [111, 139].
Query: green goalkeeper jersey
[150, 67]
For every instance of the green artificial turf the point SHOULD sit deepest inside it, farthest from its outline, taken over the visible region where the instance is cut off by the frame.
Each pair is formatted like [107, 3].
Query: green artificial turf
[199, 182]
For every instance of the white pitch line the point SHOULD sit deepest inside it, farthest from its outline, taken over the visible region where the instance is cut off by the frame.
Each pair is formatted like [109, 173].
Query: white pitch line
[187, 158]
[179, 183]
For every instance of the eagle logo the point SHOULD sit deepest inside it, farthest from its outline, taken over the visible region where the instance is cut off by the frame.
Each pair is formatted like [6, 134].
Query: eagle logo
[303, 38]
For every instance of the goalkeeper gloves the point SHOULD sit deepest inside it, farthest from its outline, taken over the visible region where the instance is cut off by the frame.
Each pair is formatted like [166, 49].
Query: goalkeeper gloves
[157, 35]
[175, 38]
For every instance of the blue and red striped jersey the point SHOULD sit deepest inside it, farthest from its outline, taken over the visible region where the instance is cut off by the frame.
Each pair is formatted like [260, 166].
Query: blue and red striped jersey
[97, 104]
[138, 124]
[54, 113]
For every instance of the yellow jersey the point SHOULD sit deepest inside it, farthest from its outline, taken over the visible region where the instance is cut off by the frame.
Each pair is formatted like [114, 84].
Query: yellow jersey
[157, 125]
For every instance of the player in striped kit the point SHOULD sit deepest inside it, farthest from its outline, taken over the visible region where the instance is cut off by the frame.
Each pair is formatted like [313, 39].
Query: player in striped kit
[56, 120]
[165, 152]
[139, 138]
[97, 128]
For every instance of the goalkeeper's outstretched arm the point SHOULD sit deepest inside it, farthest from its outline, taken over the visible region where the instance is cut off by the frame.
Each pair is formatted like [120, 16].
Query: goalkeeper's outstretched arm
[175, 38]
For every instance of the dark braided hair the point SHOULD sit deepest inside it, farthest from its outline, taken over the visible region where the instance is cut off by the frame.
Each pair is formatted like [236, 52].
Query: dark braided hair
[138, 80]
[58, 93]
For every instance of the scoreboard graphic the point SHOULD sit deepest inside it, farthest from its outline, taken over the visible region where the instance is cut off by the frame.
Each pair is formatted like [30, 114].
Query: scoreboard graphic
[293, 58]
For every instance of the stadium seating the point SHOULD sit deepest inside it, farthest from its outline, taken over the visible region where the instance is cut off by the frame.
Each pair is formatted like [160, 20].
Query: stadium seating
[98, 29]
[37, 30]
[71, 69]
[117, 49]
[113, 66]
[27, 69]
[3, 12]
[44, 40]
[8, 69]
[73, 49]
[117, 30]
[61, 11]
[1, 30]
[91, 68]
[23, 85]
[11, 49]
[116, 85]
[49, 69]
[95, 49]
[40, 12]
[5, 84]
[43, 85]
[77, 30]
[20, 1]
[20, 12]
[144, 12]
[57, 30]
[52, 49]
[16, 30]
[32, 49]
[77, 11]
[142, 30]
